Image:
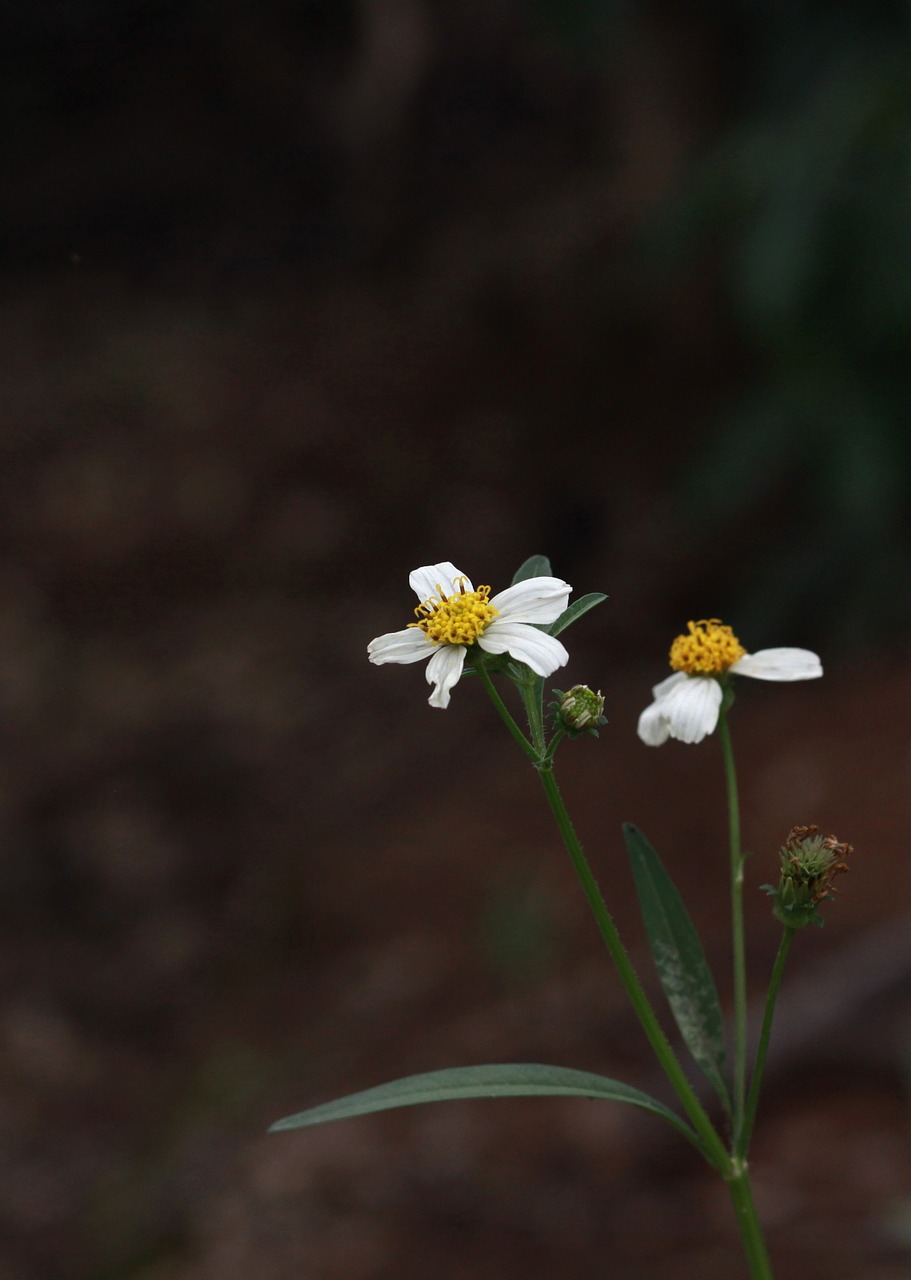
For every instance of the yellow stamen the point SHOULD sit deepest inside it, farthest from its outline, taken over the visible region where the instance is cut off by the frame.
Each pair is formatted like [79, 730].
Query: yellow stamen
[709, 648]
[455, 619]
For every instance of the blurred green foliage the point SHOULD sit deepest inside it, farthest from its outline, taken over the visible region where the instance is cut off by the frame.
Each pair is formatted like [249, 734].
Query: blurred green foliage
[802, 209]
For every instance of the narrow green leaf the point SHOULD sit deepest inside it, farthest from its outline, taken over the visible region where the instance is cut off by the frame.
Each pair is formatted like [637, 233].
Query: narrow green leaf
[534, 567]
[498, 1080]
[680, 961]
[575, 611]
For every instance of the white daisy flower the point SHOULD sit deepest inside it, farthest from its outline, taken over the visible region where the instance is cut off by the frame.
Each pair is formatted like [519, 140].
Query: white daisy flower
[687, 704]
[453, 615]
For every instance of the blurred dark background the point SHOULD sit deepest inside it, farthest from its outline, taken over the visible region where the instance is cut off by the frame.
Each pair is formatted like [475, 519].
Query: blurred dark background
[297, 297]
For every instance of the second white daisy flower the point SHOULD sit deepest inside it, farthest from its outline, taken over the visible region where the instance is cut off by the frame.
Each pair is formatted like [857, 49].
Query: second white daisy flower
[687, 704]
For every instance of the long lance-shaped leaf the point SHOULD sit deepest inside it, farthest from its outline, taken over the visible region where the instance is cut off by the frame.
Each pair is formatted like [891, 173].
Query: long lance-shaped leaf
[498, 1080]
[680, 961]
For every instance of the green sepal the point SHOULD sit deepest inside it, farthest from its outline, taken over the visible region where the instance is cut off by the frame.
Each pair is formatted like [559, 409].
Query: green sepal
[497, 1080]
[560, 722]
[793, 915]
[495, 664]
[680, 961]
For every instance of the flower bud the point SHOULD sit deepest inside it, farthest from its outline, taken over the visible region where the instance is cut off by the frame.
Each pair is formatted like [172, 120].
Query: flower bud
[809, 862]
[578, 710]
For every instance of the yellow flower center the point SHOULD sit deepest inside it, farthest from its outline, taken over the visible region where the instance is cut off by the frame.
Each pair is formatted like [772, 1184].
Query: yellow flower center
[708, 649]
[455, 619]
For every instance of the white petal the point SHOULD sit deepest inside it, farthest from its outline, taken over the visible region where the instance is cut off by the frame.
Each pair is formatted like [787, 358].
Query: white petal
[540, 651]
[661, 690]
[443, 671]
[534, 600]
[779, 664]
[410, 645]
[691, 709]
[431, 579]
[653, 726]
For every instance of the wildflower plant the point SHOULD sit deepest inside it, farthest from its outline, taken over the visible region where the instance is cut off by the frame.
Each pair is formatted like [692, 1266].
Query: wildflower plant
[512, 636]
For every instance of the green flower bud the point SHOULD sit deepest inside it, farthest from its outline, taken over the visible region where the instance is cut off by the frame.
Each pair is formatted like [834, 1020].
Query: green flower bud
[809, 862]
[578, 710]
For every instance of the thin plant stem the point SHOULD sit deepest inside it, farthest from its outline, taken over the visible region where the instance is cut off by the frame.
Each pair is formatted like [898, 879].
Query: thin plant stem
[558, 736]
[733, 1168]
[738, 945]
[712, 1147]
[530, 750]
[533, 697]
[750, 1231]
[707, 1138]
[739, 1185]
[752, 1102]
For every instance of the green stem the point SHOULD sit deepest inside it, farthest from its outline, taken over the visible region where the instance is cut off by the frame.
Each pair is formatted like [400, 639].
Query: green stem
[733, 1170]
[711, 1144]
[533, 698]
[737, 931]
[533, 755]
[763, 1047]
[750, 1231]
[558, 736]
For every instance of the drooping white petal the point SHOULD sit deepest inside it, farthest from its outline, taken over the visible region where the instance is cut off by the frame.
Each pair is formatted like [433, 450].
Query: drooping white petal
[541, 652]
[410, 645]
[431, 579]
[661, 690]
[443, 672]
[691, 708]
[653, 727]
[779, 664]
[540, 600]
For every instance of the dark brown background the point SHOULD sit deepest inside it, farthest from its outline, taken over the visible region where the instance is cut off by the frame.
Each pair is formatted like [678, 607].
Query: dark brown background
[298, 297]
